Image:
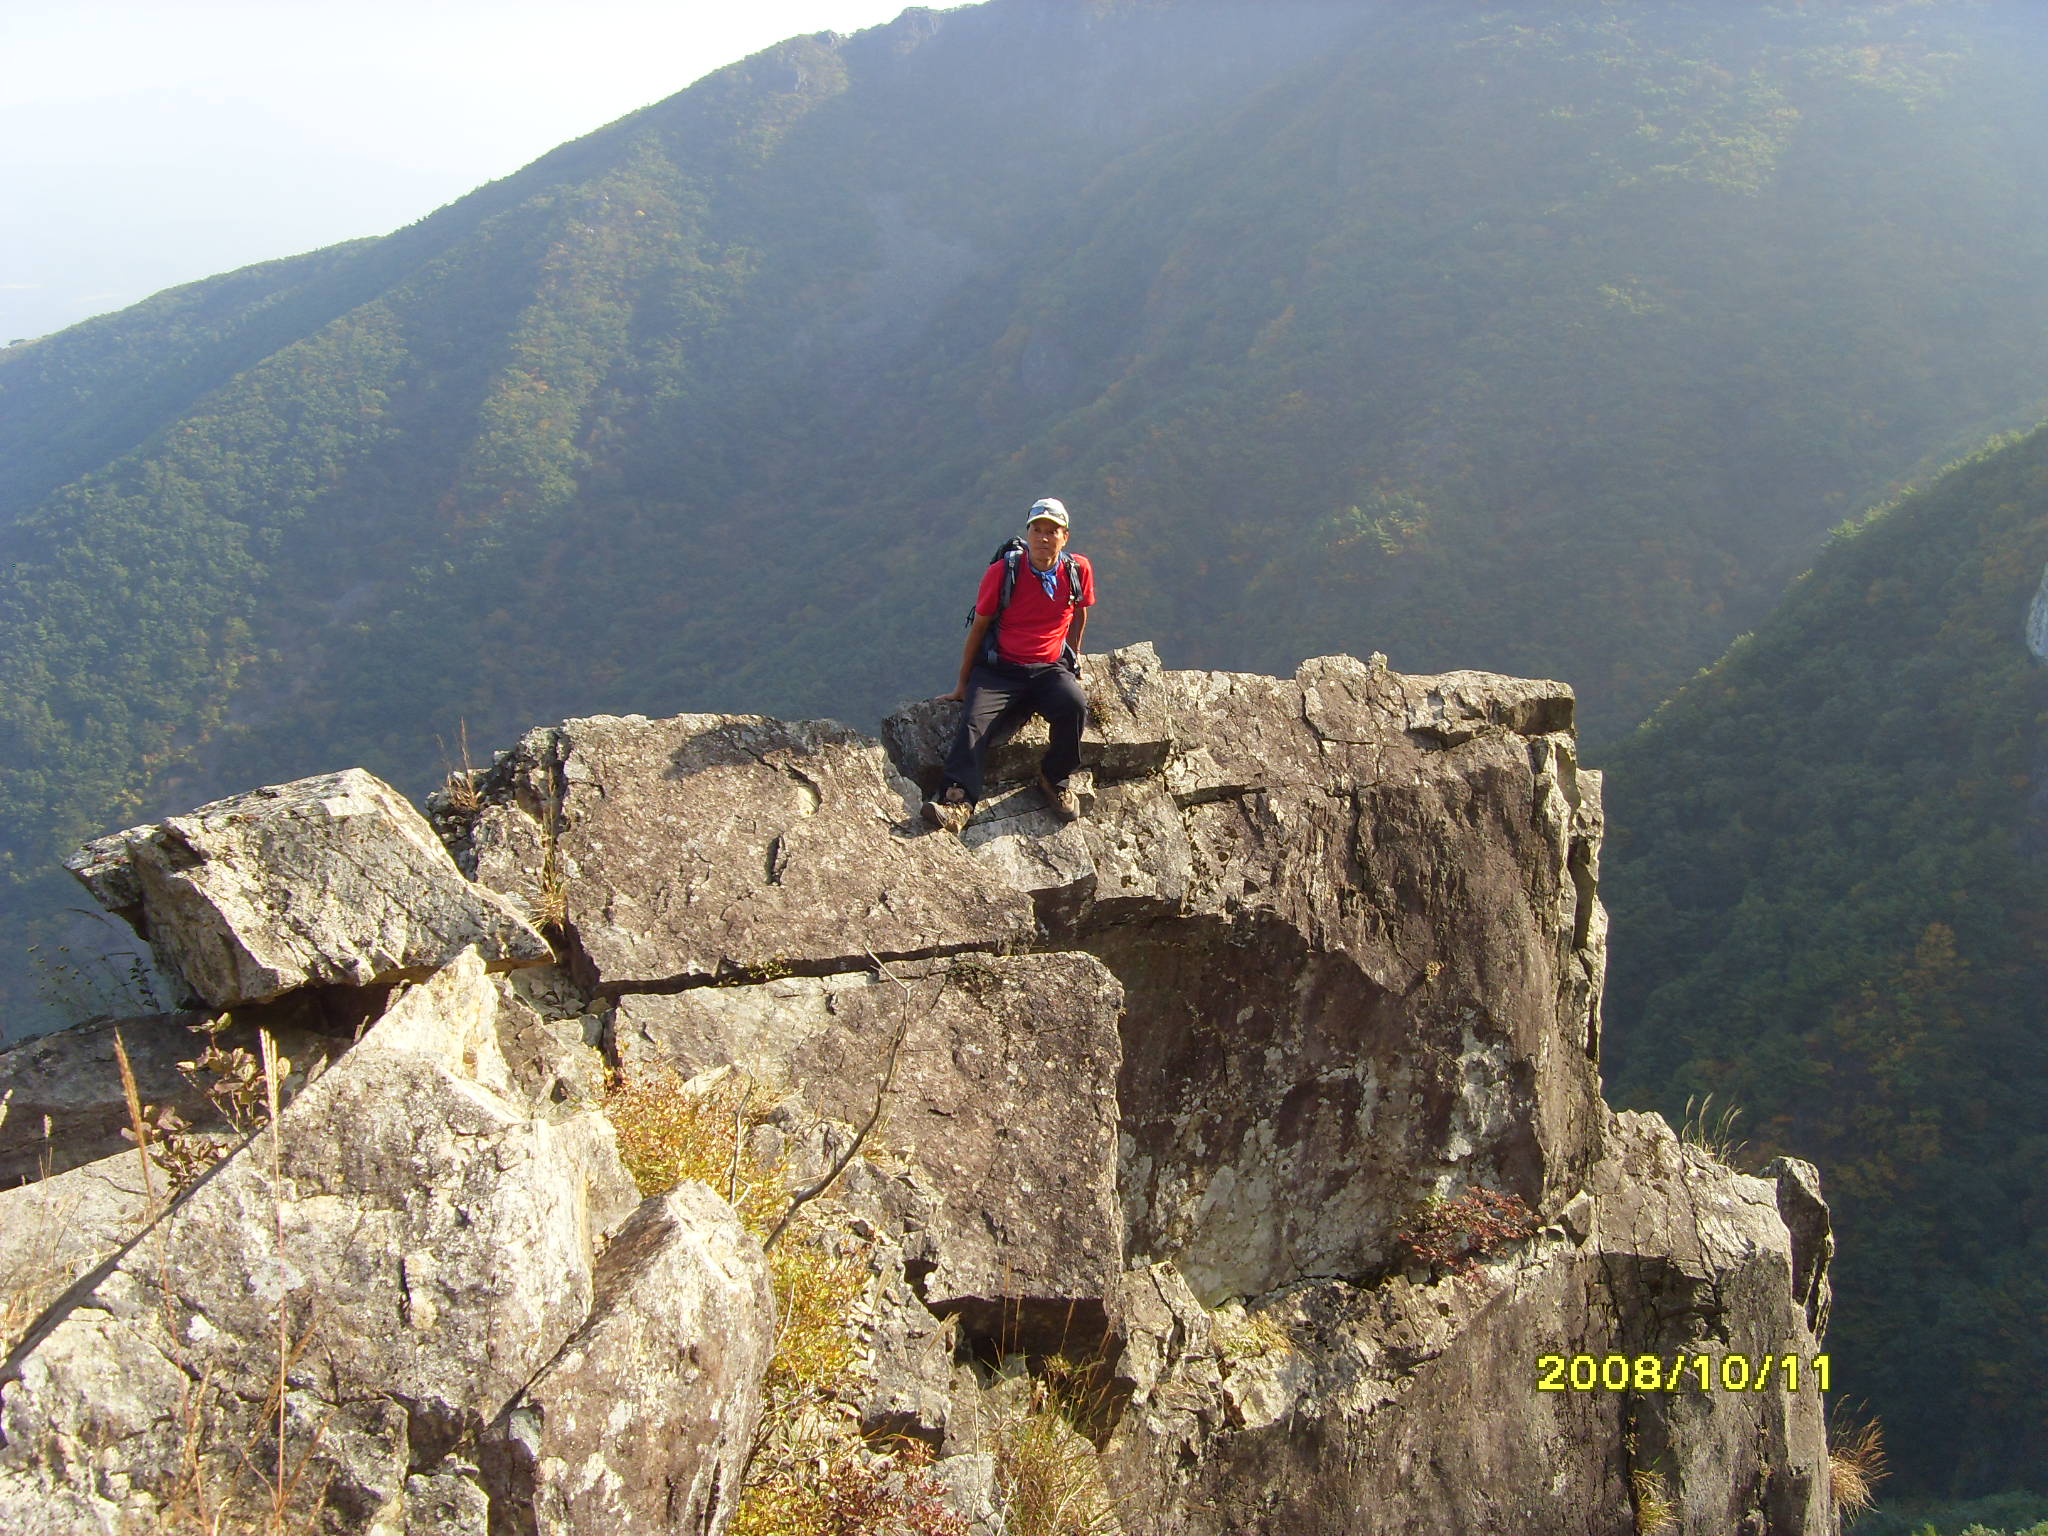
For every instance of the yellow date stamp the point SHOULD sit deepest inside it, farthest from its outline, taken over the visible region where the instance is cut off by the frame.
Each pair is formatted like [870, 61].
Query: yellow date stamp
[1681, 1372]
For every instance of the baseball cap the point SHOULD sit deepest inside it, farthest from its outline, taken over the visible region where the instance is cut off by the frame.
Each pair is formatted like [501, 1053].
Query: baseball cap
[1049, 508]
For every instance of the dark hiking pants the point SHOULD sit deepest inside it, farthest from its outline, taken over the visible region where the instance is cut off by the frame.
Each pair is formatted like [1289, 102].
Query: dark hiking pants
[1000, 698]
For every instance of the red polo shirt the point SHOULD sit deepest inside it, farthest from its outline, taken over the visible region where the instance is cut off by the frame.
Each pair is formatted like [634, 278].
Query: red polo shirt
[1034, 626]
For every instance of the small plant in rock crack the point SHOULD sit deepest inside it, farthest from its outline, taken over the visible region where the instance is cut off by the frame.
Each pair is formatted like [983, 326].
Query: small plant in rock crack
[232, 1080]
[459, 783]
[1245, 1335]
[1657, 1512]
[1456, 1234]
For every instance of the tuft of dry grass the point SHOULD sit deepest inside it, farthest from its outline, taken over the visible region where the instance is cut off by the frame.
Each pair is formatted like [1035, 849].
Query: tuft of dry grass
[551, 895]
[1050, 1473]
[1856, 1465]
[851, 1492]
[1245, 1335]
[810, 1471]
[459, 783]
[1712, 1130]
[1656, 1511]
[673, 1128]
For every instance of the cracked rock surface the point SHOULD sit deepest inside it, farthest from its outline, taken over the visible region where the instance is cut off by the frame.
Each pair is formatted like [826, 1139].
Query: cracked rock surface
[1140, 1114]
[335, 879]
[410, 1244]
[712, 845]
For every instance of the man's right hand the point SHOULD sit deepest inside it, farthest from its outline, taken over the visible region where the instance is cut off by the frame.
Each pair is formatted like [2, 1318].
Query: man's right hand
[957, 696]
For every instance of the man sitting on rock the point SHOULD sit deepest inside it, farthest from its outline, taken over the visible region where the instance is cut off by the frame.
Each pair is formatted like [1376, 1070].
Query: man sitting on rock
[1023, 657]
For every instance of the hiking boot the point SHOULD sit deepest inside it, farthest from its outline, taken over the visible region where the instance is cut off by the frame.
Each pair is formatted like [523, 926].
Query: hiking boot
[1060, 800]
[949, 813]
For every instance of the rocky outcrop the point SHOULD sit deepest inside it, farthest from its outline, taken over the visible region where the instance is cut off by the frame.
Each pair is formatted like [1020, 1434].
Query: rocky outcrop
[332, 880]
[404, 1247]
[1354, 918]
[1003, 1104]
[714, 846]
[1252, 1123]
[602, 1440]
[1428, 1392]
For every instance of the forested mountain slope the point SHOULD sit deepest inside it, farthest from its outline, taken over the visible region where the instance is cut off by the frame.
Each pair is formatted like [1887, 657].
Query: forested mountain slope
[1541, 337]
[1828, 871]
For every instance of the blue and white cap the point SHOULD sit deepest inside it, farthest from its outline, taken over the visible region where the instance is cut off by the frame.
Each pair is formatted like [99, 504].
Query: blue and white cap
[1050, 509]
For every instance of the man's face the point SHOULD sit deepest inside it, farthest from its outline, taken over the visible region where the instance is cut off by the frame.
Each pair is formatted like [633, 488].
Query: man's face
[1046, 538]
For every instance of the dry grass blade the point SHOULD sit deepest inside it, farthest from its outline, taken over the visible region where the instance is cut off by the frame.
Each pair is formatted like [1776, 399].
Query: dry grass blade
[459, 784]
[1712, 1130]
[1856, 1465]
[138, 1124]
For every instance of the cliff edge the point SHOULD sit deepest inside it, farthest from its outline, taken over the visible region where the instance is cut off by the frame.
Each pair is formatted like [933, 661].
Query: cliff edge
[1245, 1137]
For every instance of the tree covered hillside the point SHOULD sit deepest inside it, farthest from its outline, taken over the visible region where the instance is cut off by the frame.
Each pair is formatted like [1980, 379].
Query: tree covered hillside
[1828, 873]
[1544, 337]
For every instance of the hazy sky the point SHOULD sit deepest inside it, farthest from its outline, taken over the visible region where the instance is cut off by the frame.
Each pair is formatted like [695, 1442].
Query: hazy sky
[145, 143]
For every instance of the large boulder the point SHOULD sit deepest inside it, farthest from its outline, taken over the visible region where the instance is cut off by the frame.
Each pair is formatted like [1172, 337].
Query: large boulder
[1002, 1103]
[332, 880]
[405, 1246]
[645, 1418]
[1356, 919]
[724, 845]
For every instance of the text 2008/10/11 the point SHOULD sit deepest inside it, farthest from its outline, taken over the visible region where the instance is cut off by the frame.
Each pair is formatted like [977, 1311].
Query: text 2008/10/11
[1679, 1372]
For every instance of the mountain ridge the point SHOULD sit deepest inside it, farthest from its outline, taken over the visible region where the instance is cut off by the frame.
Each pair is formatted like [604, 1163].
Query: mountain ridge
[1524, 363]
[1828, 892]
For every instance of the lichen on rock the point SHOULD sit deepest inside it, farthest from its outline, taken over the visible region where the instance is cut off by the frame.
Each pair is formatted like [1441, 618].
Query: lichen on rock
[1130, 1122]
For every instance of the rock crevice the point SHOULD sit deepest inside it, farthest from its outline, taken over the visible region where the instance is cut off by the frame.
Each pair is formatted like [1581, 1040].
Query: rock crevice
[1171, 1092]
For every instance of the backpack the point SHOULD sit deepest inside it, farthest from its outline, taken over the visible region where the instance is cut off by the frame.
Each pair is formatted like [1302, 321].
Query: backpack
[1013, 554]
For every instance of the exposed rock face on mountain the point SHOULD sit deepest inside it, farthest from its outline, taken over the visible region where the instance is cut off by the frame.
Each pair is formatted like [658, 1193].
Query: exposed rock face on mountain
[1262, 1102]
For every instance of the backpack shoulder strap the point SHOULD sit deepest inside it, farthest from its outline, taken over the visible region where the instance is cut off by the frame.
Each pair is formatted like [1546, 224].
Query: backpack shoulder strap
[1010, 558]
[1012, 561]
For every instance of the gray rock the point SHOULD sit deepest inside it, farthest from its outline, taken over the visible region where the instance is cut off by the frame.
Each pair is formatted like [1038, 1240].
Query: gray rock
[448, 1502]
[1003, 1103]
[334, 880]
[65, 1102]
[708, 845]
[973, 1491]
[549, 1039]
[914, 1376]
[1418, 1397]
[424, 1246]
[644, 1419]
[1357, 920]
[1806, 1217]
[53, 1231]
